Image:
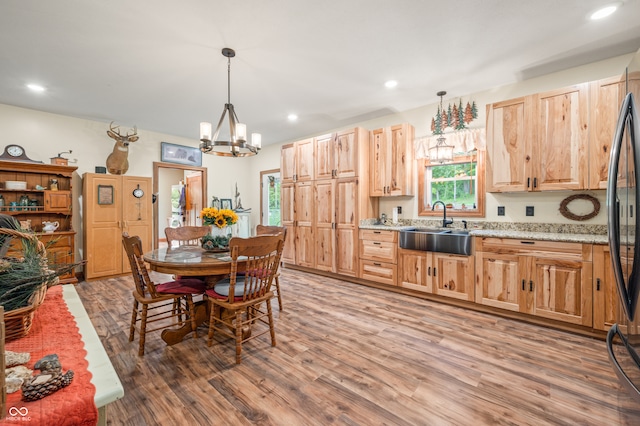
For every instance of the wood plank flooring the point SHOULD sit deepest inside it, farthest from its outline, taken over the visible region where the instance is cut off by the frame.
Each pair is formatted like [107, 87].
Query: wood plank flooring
[348, 354]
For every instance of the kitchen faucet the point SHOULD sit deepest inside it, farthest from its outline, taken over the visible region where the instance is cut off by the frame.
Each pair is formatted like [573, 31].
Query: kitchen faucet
[445, 222]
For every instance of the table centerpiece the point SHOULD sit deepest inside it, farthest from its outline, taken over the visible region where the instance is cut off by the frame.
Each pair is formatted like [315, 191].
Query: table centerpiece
[221, 221]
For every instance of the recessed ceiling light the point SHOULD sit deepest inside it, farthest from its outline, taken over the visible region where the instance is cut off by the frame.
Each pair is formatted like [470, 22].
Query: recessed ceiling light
[390, 84]
[36, 87]
[604, 12]
[292, 117]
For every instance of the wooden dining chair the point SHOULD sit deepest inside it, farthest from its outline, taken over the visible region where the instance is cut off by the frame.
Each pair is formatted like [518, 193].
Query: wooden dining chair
[157, 303]
[236, 303]
[186, 235]
[274, 230]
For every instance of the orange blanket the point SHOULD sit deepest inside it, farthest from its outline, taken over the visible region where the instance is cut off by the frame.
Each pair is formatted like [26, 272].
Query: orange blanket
[54, 331]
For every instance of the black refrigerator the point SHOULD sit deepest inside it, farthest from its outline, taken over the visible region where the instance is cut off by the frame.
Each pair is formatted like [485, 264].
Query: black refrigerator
[623, 221]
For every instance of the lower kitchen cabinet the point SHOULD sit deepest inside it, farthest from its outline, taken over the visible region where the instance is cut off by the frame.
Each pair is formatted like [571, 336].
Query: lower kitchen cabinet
[606, 303]
[378, 254]
[542, 278]
[444, 274]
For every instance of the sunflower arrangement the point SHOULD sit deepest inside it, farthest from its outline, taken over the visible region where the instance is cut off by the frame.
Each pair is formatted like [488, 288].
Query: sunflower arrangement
[218, 217]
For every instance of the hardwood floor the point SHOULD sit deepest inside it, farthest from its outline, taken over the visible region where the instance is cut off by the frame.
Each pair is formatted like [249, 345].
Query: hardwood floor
[348, 354]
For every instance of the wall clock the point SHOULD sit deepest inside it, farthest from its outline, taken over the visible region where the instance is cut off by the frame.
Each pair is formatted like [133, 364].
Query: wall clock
[138, 192]
[15, 152]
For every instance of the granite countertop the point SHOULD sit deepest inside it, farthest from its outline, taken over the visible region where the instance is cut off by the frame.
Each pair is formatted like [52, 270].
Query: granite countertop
[542, 236]
[578, 233]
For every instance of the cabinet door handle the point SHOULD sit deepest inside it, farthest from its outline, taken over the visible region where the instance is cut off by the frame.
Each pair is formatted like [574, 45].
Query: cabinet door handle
[528, 182]
[598, 284]
[523, 284]
[434, 271]
[535, 182]
[527, 242]
[530, 285]
[388, 190]
[376, 243]
[377, 232]
[377, 264]
[429, 271]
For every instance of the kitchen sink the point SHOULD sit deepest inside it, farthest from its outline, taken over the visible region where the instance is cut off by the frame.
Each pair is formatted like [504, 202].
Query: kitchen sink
[438, 240]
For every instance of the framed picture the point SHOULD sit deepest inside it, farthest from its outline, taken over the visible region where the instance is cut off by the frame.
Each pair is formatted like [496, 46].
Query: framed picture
[225, 203]
[180, 154]
[105, 194]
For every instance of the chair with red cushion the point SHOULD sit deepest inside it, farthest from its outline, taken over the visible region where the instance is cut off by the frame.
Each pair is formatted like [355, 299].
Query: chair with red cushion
[157, 303]
[236, 303]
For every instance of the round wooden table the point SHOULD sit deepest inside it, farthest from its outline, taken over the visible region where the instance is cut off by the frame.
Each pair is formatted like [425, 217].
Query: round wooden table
[190, 261]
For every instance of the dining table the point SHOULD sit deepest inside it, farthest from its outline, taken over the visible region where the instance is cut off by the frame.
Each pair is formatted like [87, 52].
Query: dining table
[190, 260]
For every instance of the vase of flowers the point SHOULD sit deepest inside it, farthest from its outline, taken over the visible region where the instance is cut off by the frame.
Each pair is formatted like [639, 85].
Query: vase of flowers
[221, 221]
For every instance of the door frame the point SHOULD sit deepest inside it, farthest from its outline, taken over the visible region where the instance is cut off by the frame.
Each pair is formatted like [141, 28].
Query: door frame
[157, 165]
[262, 174]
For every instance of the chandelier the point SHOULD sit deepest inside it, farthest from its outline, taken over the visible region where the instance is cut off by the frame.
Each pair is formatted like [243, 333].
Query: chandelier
[441, 152]
[237, 145]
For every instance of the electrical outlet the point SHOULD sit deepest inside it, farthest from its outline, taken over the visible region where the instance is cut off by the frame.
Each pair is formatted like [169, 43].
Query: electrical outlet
[399, 209]
[500, 210]
[529, 210]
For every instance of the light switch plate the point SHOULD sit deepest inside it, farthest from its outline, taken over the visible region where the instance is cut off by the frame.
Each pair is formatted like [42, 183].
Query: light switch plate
[399, 209]
[500, 210]
[529, 210]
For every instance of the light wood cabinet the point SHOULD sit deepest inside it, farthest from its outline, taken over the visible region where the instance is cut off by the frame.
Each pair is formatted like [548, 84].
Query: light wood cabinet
[391, 161]
[606, 302]
[606, 97]
[542, 138]
[452, 275]
[412, 270]
[297, 161]
[287, 217]
[509, 134]
[324, 213]
[547, 279]
[109, 209]
[304, 224]
[337, 154]
[443, 274]
[378, 254]
[44, 206]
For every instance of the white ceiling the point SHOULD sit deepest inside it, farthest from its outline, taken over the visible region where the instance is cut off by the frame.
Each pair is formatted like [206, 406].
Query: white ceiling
[157, 63]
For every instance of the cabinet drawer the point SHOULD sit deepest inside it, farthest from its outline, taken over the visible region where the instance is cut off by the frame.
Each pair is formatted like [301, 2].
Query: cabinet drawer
[553, 249]
[56, 240]
[378, 250]
[378, 235]
[380, 272]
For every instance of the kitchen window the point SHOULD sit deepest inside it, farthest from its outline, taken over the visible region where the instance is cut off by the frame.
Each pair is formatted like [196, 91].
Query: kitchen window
[459, 184]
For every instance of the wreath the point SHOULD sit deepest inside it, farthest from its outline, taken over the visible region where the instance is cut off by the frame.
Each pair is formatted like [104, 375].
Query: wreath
[564, 210]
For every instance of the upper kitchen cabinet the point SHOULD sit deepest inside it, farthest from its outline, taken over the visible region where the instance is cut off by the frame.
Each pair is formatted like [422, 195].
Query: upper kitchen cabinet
[539, 142]
[606, 99]
[508, 143]
[296, 161]
[391, 161]
[336, 154]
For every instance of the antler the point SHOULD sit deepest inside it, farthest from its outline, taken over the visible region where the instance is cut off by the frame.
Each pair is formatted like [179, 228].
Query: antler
[114, 133]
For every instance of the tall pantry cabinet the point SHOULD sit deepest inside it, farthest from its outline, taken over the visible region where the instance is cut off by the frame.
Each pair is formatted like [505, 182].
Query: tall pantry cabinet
[113, 204]
[324, 195]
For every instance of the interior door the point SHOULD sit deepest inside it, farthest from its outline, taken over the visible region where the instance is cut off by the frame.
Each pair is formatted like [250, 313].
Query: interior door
[193, 198]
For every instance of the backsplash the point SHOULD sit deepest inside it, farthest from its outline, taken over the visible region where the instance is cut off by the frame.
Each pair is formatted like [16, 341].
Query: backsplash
[558, 228]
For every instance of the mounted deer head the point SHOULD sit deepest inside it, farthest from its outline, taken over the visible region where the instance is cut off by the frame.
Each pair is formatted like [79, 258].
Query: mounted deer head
[117, 161]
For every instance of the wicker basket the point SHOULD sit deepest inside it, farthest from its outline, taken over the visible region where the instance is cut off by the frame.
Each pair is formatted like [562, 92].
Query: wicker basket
[17, 322]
